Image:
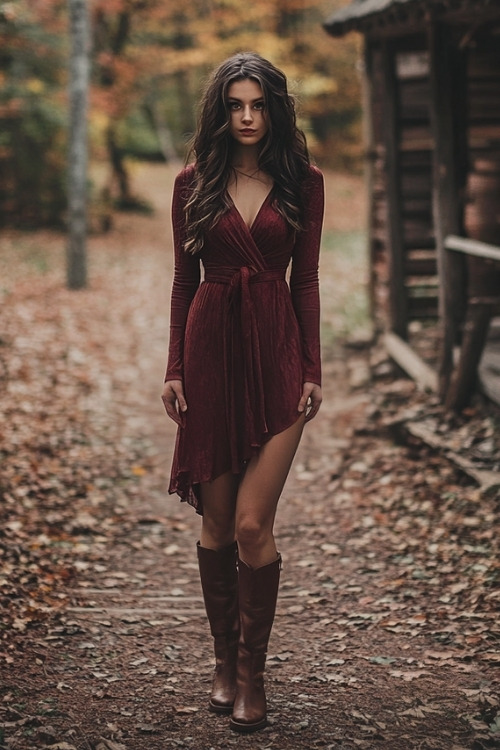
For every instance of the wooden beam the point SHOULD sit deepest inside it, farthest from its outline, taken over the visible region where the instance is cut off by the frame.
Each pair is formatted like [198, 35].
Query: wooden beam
[472, 247]
[489, 481]
[447, 79]
[464, 380]
[479, 313]
[402, 353]
[398, 305]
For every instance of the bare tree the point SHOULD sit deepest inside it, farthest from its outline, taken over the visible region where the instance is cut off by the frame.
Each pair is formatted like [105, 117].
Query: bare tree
[76, 267]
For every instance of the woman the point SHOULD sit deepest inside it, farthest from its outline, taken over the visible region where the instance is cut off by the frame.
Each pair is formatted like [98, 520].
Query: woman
[243, 373]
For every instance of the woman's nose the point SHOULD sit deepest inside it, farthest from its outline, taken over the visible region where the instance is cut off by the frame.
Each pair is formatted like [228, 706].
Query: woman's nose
[247, 114]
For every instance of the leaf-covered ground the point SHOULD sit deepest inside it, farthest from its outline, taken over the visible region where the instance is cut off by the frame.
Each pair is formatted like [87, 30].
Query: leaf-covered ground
[387, 628]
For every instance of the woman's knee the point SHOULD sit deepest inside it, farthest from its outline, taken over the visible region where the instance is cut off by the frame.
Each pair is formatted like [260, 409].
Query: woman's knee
[218, 531]
[252, 533]
[219, 505]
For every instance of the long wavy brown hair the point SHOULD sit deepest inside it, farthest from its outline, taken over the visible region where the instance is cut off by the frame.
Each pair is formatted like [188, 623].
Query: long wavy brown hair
[283, 151]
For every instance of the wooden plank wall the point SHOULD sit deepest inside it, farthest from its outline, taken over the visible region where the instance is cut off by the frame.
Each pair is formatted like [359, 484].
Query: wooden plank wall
[416, 269]
[416, 148]
[435, 169]
[401, 152]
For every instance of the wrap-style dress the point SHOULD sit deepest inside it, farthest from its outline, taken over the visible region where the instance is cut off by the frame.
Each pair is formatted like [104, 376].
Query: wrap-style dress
[242, 339]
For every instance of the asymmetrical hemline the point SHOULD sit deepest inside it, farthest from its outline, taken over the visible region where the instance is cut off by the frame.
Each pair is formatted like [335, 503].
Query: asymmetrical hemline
[188, 490]
[243, 340]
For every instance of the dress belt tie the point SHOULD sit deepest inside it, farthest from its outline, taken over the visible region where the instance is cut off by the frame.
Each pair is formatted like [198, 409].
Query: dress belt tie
[246, 408]
[232, 276]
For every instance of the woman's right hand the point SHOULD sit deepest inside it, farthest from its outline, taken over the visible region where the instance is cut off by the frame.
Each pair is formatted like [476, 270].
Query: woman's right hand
[173, 400]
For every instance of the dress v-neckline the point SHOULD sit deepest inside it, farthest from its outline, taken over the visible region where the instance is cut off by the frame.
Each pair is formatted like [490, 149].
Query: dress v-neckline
[250, 226]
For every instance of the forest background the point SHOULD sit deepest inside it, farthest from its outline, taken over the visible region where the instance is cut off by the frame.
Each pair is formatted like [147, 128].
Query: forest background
[149, 61]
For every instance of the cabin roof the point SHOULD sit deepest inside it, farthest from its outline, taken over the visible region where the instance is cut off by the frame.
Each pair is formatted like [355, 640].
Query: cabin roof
[360, 15]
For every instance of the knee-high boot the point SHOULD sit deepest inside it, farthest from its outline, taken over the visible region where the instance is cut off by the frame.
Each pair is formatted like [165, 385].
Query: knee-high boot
[258, 592]
[219, 583]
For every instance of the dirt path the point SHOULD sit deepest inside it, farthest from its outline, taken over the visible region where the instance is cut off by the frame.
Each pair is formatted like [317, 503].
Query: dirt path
[385, 635]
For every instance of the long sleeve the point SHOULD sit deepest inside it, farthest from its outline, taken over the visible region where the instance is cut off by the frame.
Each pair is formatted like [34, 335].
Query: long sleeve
[186, 279]
[304, 281]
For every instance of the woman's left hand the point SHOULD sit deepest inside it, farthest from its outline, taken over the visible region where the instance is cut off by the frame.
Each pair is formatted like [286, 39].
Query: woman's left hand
[311, 400]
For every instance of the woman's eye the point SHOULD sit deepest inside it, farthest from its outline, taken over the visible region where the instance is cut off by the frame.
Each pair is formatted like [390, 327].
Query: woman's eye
[259, 106]
[233, 106]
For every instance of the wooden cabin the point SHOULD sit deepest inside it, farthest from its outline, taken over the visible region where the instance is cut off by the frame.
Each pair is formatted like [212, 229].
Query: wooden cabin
[432, 110]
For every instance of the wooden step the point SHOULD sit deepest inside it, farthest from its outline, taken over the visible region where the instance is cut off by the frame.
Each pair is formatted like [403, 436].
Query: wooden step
[420, 263]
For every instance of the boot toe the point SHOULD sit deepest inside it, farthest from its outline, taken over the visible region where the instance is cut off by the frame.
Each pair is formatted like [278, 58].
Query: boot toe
[245, 727]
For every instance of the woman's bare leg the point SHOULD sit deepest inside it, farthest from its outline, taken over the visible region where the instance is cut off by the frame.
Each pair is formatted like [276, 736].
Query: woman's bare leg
[258, 494]
[219, 503]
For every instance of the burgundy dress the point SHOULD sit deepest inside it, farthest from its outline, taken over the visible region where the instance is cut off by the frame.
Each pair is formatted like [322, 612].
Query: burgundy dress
[242, 341]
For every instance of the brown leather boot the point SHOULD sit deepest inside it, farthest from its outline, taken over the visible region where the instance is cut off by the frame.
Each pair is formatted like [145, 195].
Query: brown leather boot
[219, 582]
[258, 592]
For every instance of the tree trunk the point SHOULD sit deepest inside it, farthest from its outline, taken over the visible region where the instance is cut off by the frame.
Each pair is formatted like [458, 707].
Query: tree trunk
[76, 268]
[119, 174]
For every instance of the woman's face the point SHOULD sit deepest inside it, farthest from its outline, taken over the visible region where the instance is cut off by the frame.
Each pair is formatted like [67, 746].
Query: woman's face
[248, 119]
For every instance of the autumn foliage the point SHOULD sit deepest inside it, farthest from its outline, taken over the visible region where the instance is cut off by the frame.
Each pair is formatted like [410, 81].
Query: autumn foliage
[149, 60]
